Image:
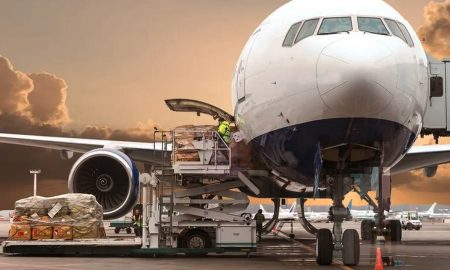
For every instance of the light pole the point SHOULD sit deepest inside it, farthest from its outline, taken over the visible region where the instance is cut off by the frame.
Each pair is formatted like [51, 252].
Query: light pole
[35, 173]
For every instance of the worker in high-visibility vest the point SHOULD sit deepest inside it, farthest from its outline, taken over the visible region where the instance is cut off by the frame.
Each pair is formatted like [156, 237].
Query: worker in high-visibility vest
[137, 222]
[224, 130]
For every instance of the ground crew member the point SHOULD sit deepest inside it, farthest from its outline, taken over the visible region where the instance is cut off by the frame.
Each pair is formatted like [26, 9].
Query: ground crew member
[137, 222]
[224, 130]
[259, 217]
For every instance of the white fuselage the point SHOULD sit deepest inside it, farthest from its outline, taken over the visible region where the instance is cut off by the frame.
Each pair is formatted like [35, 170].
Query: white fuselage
[378, 80]
[317, 216]
[362, 214]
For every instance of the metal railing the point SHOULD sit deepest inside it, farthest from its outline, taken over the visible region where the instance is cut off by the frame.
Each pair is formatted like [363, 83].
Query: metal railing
[200, 147]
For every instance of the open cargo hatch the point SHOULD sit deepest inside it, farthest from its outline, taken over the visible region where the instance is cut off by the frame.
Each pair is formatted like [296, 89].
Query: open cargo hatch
[189, 105]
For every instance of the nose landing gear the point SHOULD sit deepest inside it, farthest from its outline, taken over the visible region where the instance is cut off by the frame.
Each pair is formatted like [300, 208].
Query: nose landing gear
[346, 244]
[340, 243]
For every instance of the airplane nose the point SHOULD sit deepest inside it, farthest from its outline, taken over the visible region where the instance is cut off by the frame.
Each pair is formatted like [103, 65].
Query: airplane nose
[355, 74]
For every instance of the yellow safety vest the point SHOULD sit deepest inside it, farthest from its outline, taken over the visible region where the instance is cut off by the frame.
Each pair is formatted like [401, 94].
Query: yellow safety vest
[224, 131]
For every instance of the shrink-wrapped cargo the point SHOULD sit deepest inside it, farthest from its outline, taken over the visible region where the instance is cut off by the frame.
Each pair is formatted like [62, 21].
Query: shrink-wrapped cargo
[68, 216]
[62, 232]
[184, 137]
[87, 230]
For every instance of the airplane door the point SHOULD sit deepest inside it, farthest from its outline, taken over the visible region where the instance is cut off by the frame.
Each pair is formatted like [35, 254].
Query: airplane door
[240, 87]
[435, 114]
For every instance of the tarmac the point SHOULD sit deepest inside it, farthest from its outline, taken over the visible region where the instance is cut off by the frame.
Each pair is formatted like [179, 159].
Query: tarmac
[428, 249]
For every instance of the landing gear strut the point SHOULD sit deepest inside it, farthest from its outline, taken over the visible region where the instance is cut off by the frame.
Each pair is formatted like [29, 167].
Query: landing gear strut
[343, 243]
[303, 221]
[390, 229]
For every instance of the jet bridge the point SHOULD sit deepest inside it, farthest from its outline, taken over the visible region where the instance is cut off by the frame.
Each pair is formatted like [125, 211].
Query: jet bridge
[436, 121]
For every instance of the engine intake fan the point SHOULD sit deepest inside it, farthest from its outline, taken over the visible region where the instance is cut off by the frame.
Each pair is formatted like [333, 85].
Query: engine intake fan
[109, 175]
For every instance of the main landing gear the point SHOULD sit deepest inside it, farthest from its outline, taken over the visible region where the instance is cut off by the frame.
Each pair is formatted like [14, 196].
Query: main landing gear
[390, 229]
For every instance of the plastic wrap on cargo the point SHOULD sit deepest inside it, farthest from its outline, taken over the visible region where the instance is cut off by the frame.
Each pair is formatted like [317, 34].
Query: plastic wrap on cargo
[63, 232]
[185, 135]
[68, 216]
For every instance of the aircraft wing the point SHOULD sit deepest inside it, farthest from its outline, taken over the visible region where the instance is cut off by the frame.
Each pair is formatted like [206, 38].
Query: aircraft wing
[138, 151]
[423, 156]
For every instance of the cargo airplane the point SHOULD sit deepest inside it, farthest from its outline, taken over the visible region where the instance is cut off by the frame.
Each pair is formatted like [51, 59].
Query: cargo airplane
[284, 214]
[326, 95]
[431, 214]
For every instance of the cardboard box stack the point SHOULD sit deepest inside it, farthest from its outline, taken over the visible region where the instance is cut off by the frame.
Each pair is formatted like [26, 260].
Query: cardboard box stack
[185, 135]
[67, 217]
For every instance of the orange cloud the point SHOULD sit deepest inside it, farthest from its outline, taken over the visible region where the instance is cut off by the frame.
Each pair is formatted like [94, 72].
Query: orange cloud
[48, 99]
[436, 30]
[15, 87]
[36, 104]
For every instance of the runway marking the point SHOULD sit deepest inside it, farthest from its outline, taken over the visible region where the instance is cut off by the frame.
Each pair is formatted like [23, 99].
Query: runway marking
[412, 256]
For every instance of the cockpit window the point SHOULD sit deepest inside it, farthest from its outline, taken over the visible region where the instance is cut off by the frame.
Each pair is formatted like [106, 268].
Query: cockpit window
[406, 34]
[372, 25]
[308, 29]
[335, 25]
[395, 29]
[290, 36]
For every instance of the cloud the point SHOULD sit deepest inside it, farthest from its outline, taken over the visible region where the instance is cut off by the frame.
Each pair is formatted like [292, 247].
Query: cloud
[39, 97]
[36, 104]
[14, 88]
[143, 132]
[48, 99]
[436, 30]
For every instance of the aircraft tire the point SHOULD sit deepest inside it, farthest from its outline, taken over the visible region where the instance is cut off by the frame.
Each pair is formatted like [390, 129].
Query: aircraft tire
[351, 251]
[324, 247]
[366, 230]
[395, 234]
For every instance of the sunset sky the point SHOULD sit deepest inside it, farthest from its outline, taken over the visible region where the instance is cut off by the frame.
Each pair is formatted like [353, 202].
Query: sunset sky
[103, 69]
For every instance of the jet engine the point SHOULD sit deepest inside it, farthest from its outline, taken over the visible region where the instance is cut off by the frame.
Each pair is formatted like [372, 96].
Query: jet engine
[111, 176]
[430, 171]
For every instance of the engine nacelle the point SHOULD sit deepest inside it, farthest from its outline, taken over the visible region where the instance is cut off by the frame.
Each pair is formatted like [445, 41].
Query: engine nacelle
[109, 175]
[430, 171]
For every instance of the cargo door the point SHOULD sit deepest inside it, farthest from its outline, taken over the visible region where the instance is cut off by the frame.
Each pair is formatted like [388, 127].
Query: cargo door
[189, 105]
[242, 68]
[436, 111]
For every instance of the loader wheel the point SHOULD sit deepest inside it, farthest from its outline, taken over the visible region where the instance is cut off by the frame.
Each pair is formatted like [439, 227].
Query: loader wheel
[196, 239]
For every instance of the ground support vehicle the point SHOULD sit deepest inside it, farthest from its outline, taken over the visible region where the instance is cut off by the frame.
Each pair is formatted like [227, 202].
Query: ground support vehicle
[188, 207]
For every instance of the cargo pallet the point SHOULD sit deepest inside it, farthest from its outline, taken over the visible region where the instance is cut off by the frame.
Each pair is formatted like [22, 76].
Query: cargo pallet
[106, 247]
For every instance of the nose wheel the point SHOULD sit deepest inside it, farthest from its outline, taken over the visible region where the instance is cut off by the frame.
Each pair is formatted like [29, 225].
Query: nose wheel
[325, 246]
[344, 244]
